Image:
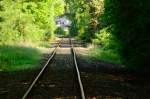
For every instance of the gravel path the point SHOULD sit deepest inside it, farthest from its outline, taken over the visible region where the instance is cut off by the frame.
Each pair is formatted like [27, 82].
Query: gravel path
[59, 78]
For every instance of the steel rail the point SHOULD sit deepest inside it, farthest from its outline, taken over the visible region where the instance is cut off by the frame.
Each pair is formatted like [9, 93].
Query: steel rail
[40, 73]
[78, 72]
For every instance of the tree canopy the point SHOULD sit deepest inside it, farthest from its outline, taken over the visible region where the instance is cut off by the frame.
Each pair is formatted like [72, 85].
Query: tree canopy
[28, 20]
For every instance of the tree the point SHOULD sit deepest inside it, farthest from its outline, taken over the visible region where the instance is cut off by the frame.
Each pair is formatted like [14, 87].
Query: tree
[28, 20]
[84, 15]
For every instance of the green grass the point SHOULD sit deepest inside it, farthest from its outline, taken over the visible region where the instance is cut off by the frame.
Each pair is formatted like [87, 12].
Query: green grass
[106, 55]
[15, 58]
[44, 44]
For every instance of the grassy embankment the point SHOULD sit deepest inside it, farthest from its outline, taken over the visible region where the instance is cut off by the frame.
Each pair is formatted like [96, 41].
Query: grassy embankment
[20, 57]
[107, 47]
[105, 55]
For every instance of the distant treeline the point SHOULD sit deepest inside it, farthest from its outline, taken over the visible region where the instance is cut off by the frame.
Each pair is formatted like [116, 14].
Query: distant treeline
[28, 20]
[118, 25]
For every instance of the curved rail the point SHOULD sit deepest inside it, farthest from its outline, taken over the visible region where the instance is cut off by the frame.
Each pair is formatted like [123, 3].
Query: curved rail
[77, 70]
[40, 73]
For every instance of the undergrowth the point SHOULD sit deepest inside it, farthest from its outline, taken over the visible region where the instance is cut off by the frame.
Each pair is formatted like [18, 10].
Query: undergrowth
[14, 58]
[106, 55]
[108, 47]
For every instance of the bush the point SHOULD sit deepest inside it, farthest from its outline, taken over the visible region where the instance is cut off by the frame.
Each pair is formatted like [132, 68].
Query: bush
[110, 47]
[61, 31]
[28, 21]
[131, 26]
[109, 55]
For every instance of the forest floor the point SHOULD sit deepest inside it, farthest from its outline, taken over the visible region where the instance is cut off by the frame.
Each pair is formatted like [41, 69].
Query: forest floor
[109, 80]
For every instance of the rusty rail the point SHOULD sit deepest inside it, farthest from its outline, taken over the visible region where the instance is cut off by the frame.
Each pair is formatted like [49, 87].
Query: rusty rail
[77, 70]
[41, 72]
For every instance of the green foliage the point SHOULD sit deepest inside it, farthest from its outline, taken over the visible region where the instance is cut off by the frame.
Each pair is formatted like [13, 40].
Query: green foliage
[131, 26]
[109, 55]
[14, 58]
[107, 39]
[118, 25]
[110, 47]
[28, 20]
[59, 7]
[102, 37]
[84, 15]
[61, 31]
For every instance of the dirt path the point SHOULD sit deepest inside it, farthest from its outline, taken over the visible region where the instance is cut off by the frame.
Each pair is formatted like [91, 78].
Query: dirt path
[104, 80]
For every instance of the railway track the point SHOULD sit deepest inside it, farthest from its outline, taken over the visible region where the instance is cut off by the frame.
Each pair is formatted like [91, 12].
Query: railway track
[59, 77]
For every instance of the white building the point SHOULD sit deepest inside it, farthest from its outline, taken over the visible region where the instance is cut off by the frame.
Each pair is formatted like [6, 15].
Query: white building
[62, 22]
